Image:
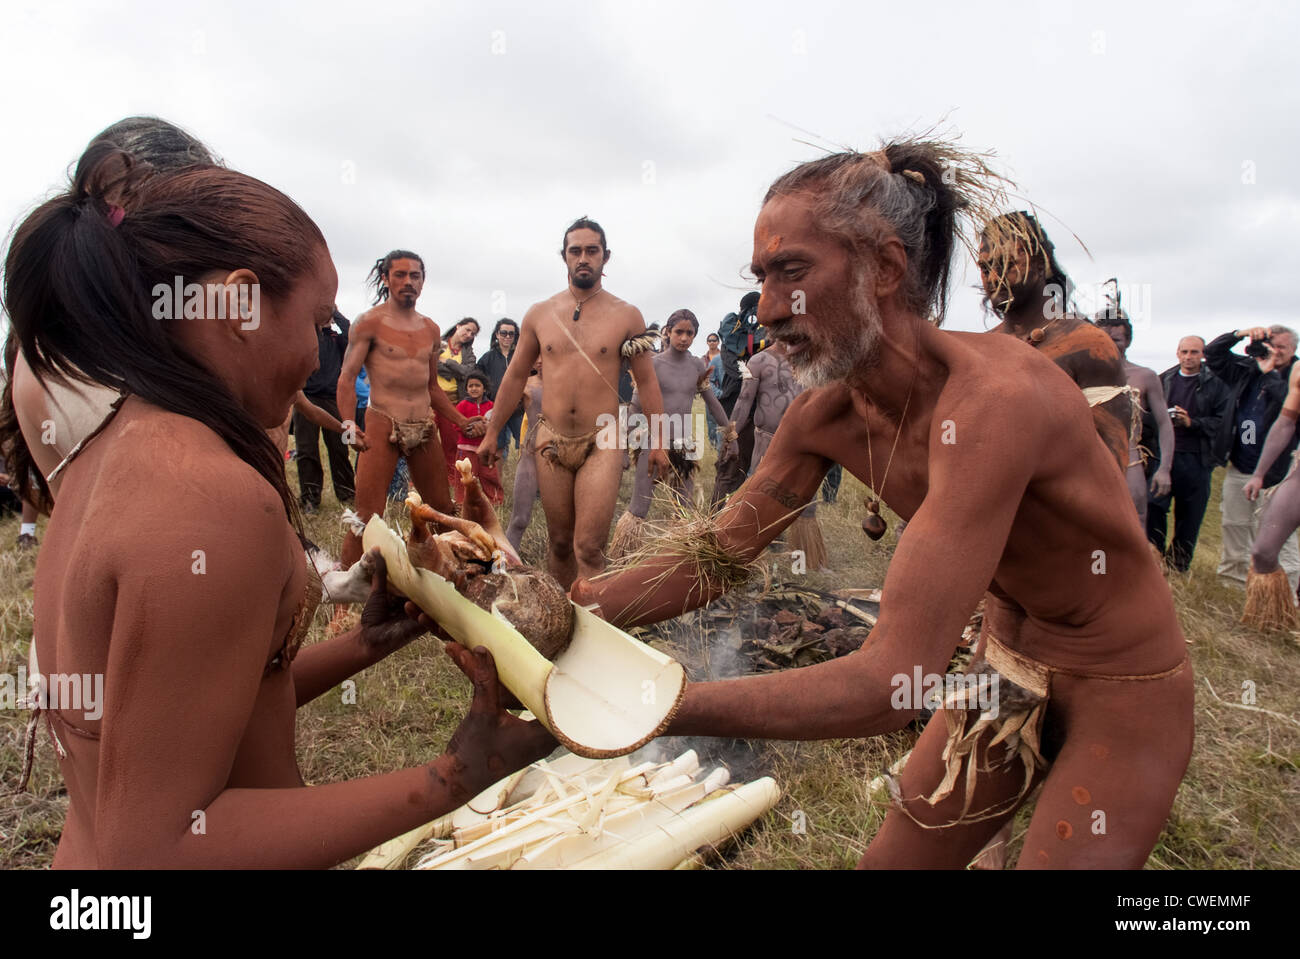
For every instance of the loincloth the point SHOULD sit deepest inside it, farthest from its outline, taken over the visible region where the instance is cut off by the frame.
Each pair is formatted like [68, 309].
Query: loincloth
[559, 450]
[684, 458]
[408, 435]
[1097, 395]
[1014, 721]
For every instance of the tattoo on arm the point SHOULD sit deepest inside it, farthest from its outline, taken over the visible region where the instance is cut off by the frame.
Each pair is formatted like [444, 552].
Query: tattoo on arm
[774, 490]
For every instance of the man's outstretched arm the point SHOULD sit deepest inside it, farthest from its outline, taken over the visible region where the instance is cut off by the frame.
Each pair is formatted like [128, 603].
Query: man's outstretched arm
[937, 576]
[1153, 396]
[354, 357]
[669, 584]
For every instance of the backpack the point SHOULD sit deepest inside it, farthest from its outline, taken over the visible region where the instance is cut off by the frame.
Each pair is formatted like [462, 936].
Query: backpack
[741, 336]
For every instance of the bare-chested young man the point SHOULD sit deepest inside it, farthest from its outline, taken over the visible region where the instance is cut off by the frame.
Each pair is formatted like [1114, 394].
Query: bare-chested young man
[399, 348]
[1151, 394]
[583, 333]
[681, 378]
[1028, 290]
[990, 452]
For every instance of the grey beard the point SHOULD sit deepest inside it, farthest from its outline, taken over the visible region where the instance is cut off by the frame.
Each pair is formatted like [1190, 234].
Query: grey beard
[838, 365]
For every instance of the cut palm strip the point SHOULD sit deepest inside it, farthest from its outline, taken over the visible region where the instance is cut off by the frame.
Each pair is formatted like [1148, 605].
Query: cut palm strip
[708, 823]
[606, 695]
[603, 815]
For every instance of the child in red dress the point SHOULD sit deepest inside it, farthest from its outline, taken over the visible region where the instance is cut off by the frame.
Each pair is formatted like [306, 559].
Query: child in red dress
[467, 446]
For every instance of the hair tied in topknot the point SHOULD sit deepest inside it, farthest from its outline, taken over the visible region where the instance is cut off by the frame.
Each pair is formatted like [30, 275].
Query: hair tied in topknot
[915, 175]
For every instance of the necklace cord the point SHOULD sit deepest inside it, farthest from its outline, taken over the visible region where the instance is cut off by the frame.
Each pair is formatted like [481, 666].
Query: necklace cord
[906, 403]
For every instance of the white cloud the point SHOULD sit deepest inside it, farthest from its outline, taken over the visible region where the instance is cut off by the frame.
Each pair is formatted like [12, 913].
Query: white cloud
[1130, 125]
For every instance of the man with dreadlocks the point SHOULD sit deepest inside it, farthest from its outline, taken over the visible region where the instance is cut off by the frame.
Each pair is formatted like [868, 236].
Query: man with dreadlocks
[1029, 291]
[399, 348]
[989, 451]
[583, 333]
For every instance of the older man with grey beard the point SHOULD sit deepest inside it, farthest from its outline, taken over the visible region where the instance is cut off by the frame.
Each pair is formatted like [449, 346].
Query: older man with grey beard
[1258, 386]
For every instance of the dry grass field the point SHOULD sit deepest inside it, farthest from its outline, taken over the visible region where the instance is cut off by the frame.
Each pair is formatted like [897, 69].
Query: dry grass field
[1238, 807]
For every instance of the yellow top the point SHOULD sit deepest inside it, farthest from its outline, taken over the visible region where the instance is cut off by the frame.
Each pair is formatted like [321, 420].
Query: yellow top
[448, 384]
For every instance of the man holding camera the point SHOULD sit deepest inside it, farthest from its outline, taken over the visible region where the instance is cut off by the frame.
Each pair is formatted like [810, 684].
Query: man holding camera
[1257, 385]
[1198, 403]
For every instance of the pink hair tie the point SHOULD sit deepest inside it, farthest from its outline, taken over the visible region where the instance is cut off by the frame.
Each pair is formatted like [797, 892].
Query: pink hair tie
[115, 214]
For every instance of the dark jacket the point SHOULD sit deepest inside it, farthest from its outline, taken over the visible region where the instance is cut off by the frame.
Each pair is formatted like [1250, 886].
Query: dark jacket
[1242, 377]
[492, 364]
[323, 384]
[1213, 405]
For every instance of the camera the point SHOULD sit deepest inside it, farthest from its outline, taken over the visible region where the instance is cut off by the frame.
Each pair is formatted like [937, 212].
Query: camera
[1258, 348]
[1173, 411]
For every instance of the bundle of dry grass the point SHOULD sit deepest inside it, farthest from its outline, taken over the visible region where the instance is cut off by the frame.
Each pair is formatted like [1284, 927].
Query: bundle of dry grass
[1270, 604]
[687, 539]
[805, 537]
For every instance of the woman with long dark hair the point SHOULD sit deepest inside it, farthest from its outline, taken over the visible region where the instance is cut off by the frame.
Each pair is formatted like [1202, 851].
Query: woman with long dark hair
[455, 363]
[173, 572]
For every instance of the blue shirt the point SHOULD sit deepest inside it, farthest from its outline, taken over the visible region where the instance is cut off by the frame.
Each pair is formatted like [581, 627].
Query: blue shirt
[363, 389]
[715, 375]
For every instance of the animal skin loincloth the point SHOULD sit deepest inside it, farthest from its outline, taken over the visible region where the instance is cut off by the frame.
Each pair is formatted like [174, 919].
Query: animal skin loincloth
[559, 450]
[684, 458]
[408, 435]
[1023, 692]
[1097, 395]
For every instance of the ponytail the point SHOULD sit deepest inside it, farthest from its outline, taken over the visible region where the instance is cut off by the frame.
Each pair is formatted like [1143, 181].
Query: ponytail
[926, 193]
[80, 271]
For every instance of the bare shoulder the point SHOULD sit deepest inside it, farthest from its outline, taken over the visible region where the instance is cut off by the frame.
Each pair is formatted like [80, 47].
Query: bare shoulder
[1080, 335]
[428, 321]
[1001, 381]
[193, 481]
[364, 323]
[1147, 377]
[534, 315]
[542, 307]
[626, 313]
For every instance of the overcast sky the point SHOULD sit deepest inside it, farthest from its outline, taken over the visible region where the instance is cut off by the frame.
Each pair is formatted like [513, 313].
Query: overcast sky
[473, 133]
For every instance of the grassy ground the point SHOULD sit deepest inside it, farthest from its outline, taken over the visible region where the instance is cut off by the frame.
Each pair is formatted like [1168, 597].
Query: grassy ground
[1238, 807]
